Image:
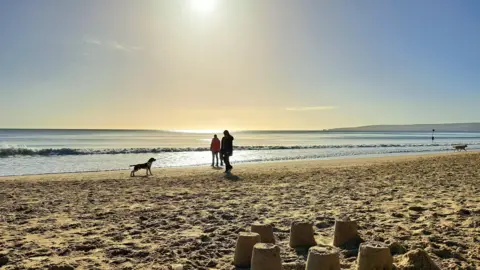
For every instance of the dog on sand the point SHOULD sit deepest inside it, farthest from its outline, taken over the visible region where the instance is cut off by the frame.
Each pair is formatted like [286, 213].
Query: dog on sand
[146, 166]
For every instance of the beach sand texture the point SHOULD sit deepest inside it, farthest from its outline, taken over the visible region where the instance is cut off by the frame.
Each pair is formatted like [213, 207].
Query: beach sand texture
[192, 216]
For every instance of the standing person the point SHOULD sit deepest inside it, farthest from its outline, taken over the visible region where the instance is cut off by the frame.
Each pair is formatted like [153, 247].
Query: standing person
[227, 150]
[215, 148]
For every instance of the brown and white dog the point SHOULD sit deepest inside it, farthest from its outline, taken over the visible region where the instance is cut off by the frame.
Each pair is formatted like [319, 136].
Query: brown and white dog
[147, 166]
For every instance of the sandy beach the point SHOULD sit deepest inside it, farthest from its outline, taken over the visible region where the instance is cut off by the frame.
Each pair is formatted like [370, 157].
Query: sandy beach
[192, 216]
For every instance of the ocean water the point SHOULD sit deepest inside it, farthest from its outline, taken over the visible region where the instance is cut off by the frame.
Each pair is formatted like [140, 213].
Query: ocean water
[55, 151]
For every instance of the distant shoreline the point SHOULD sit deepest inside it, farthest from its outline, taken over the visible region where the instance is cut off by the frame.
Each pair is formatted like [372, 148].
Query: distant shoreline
[448, 127]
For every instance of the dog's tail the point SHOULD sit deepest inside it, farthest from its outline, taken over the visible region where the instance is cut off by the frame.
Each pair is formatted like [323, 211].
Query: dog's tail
[131, 166]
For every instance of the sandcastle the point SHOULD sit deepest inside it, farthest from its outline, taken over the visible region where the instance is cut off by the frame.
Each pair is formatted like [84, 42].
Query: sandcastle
[323, 257]
[257, 250]
[345, 233]
[266, 257]
[301, 234]
[374, 255]
[265, 231]
[243, 252]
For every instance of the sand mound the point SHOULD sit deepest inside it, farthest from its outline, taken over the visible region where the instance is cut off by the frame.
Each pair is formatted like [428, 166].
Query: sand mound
[417, 260]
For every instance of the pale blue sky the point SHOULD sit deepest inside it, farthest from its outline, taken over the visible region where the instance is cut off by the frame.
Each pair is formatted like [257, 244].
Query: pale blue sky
[244, 64]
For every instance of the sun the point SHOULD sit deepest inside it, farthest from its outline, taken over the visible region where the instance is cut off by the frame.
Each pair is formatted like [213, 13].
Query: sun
[203, 6]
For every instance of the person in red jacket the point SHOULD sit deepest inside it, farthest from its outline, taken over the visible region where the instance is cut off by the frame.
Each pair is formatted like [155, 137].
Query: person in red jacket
[215, 148]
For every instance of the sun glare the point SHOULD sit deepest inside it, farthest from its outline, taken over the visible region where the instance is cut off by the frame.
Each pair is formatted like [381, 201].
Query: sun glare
[203, 6]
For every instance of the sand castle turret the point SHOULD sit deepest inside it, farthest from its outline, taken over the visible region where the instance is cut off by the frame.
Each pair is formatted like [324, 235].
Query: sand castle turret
[244, 249]
[345, 233]
[320, 258]
[301, 234]
[374, 255]
[266, 257]
[265, 231]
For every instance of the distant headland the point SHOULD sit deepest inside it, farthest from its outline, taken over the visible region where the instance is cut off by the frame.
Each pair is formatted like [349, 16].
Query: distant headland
[451, 127]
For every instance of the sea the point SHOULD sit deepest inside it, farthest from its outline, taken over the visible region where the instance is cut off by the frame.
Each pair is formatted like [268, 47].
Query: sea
[44, 151]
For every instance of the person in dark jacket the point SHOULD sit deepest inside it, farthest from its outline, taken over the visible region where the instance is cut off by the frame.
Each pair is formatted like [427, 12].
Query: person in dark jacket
[227, 150]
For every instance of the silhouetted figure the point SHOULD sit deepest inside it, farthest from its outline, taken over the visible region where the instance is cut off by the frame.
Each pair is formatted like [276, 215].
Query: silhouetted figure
[215, 148]
[227, 150]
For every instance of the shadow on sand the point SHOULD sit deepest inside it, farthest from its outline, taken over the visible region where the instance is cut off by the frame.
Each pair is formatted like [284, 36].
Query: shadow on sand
[302, 252]
[140, 176]
[231, 177]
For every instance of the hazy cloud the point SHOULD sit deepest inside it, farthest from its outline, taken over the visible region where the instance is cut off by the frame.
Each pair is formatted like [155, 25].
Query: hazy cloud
[316, 108]
[122, 47]
[92, 41]
[111, 44]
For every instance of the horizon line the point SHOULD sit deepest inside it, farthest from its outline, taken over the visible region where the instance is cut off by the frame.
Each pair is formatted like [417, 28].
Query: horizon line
[239, 130]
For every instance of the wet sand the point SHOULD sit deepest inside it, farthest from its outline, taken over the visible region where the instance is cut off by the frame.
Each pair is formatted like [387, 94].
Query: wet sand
[192, 216]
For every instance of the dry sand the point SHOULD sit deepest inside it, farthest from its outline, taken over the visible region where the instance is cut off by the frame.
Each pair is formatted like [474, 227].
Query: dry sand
[192, 216]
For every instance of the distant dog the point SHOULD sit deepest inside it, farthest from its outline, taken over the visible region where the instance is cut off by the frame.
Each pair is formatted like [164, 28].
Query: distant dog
[147, 166]
[460, 147]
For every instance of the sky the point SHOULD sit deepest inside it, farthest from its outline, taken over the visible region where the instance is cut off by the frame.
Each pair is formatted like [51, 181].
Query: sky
[238, 64]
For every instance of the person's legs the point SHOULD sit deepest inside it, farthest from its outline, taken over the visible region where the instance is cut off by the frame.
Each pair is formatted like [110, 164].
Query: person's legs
[213, 158]
[216, 157]
[226, 159]
[221, 158]
[230, 167]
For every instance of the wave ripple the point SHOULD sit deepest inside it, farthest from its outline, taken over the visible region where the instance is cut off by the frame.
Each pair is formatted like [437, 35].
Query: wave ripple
[13, 151]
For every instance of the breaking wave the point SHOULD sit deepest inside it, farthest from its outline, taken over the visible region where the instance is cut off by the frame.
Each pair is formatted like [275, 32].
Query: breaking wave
[23, 151]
